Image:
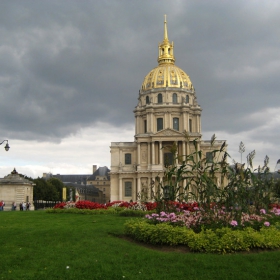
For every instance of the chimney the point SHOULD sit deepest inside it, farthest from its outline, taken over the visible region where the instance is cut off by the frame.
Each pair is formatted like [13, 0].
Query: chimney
[94, 167]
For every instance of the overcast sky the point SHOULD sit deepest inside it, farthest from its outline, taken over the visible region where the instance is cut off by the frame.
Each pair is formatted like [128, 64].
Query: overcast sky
[70, 72]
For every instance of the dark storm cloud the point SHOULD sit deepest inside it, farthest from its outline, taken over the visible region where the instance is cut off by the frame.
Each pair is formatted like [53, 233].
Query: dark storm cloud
[70, 64]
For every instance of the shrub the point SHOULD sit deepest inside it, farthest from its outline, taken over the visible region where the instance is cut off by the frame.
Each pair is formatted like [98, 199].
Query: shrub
[222, 240]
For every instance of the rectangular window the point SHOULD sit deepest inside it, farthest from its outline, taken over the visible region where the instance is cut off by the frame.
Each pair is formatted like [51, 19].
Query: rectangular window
[176, 123]
[159, 124]
[209, 157]
[190, 125]
[145, 126]
[128, 189]
[168, 159]
[127, 158]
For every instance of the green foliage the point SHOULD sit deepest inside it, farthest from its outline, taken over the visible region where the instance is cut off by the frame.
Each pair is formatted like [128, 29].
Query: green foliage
[58, 185]
[276, 189]
[50, 190]
[223, 240]
[44, 190]
[210, 180]
[108, 211]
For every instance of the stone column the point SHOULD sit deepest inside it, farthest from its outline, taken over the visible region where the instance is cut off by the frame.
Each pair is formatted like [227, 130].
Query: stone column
[153, 153]
[120, 189]
[134, 193]
[138, 189]
[160, 152]
[138, 154]
[149, 155]
[184, 150]
[177, 153]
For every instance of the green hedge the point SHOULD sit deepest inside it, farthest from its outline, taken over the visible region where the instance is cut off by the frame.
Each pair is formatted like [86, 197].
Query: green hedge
[222, 241]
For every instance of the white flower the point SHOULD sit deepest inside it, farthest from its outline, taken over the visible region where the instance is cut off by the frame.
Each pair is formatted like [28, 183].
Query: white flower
[67, 267]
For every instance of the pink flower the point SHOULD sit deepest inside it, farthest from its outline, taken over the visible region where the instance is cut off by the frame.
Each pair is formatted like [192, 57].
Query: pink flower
[234, 223]
[267, 224]
[262, 211]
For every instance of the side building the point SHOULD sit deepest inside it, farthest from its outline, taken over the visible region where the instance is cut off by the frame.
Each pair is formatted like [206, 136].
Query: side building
[14, 188]
[93, 187]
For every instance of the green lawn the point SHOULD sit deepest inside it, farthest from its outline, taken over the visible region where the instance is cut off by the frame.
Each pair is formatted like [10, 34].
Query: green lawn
[38, 245]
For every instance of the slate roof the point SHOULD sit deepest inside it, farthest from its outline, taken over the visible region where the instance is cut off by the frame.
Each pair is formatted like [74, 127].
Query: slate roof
[101, 171]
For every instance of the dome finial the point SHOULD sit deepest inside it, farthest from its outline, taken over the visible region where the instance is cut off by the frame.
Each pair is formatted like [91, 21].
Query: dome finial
[165, 49]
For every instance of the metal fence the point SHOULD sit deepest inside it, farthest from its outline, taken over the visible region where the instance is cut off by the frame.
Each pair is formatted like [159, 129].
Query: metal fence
[43, 204]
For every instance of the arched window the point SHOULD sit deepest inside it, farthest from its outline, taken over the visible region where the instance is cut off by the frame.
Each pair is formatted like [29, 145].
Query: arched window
[159, 98]
[174, 98]
[187, 99]
[147, 100]
[176, 123]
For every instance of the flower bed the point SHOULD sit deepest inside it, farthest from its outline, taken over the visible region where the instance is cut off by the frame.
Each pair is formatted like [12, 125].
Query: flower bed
[145, 206]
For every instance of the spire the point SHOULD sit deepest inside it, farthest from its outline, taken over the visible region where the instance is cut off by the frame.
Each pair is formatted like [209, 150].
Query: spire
[165, 48]
[165, 38]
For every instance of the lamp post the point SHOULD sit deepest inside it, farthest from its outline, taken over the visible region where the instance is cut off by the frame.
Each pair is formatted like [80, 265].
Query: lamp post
[7, 147]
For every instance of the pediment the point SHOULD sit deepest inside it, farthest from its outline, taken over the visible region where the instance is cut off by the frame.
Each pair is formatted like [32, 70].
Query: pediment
[169, 132]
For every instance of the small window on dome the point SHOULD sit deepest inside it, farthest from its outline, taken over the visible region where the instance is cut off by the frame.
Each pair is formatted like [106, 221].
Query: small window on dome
[187, 99]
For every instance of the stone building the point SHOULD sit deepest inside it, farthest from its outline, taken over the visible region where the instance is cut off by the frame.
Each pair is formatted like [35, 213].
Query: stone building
[101, 180]
[94, 187]
[167, 111]
[15, 188]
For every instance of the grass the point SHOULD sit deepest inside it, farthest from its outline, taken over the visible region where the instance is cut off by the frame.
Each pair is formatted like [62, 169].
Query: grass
[38, 245]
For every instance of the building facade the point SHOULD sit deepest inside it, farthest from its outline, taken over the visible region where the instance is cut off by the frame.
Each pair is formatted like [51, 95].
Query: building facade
[14, 188]
[94, 187]
[167, 113]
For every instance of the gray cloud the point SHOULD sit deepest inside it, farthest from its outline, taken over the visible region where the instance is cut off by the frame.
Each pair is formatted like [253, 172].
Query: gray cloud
[67, 65]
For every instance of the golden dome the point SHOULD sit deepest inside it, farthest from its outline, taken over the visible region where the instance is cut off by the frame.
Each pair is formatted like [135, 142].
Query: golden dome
[166, 74]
